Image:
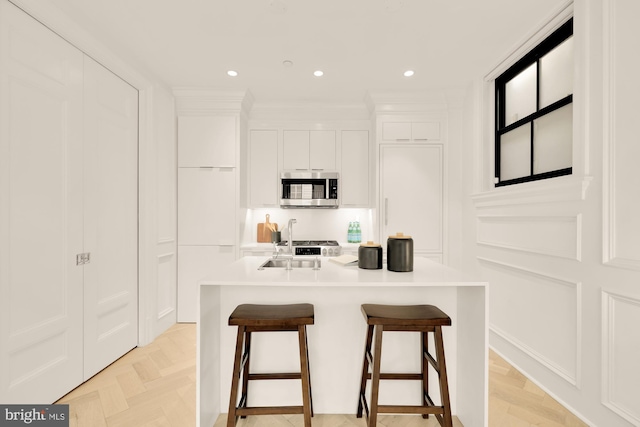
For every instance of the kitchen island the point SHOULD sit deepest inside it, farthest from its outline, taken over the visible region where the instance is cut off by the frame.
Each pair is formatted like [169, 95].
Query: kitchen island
[336, 340]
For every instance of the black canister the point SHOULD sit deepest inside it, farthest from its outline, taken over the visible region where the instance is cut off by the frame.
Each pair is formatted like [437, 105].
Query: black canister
[370, 256]
[400, 253]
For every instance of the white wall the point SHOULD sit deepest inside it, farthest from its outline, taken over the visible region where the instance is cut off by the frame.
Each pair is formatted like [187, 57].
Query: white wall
[562, 255]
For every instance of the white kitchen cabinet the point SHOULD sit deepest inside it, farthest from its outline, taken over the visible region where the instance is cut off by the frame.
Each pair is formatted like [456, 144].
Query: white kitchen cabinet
[411, 194]
[322, 150]
[207, 141]
[68, 186]
[305, 150]
[263, 168]
[295, 150]
[354, 177]
[206, 206]
[208, 146]
[411, 131]
[194, 263]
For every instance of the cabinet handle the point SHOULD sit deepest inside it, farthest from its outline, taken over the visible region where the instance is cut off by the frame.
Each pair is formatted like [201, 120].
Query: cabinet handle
[386, 211]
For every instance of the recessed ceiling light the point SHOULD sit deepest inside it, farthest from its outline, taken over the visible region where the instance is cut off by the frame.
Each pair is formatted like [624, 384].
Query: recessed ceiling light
[232, 73]
[287, 63]
[408, 73]
[318, 73]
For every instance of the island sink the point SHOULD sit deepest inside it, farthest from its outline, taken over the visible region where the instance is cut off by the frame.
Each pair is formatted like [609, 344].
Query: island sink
[295, 263]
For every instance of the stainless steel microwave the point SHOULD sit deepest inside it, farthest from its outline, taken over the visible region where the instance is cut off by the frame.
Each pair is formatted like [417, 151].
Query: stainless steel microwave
[309, 189]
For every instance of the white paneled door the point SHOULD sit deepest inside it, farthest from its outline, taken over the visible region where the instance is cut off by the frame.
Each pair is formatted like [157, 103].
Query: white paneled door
[41, 184]
[68, 185]
[111, 217]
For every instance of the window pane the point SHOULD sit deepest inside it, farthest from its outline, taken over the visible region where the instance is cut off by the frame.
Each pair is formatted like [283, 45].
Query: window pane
[520, 95]
[553, 141]
[515, 153]
[556, 73]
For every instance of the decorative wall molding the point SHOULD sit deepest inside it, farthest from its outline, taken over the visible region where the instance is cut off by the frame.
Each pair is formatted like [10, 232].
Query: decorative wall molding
[620, 346]
[539, 355]
[621, 209]
[557, 236]
[562, 189]
[554, 21]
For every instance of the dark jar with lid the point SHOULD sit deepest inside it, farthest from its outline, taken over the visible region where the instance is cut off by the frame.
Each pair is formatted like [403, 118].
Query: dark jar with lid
[370, 256]
[400, 253]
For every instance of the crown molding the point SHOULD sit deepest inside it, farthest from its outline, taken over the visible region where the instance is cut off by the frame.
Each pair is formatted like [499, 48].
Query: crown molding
[199, 100]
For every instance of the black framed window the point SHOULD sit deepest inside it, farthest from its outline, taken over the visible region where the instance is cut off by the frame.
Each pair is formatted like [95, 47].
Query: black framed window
[534, 112]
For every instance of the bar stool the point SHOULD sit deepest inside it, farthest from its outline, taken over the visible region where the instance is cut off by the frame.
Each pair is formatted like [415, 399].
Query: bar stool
[269, 318]
[412, 318]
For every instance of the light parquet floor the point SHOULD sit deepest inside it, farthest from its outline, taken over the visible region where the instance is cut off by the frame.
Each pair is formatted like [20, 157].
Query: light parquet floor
[154, 386]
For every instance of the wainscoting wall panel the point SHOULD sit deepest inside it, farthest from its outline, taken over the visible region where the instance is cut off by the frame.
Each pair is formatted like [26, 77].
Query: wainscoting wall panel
[538, 313]
[620, 350]
[621, 148]
[556, 236]
[167, 279]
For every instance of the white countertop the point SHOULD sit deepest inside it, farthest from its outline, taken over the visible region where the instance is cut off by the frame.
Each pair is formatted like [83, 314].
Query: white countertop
[425, 273]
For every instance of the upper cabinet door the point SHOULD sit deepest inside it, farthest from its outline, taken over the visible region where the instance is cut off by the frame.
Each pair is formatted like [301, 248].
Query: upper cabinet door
[295, 150]
[392, 131]
[322, 150]
[411, 131]
[309, 150]
[206, 141]
[425, 131]
[263, 168]
[354, 178]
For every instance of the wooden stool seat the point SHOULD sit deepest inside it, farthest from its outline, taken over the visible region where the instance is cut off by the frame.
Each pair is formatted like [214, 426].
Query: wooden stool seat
[269, 318]
[407, 318]
[288, 315]
[408, 315]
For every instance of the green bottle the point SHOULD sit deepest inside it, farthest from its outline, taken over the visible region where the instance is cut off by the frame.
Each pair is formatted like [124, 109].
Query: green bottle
[350, 233]
[357, 234]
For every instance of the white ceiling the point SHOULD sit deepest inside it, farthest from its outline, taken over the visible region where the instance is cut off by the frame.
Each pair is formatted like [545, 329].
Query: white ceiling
[360, 45]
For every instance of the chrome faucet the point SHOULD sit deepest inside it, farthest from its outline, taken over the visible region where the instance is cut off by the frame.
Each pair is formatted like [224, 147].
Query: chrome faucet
[290, 229]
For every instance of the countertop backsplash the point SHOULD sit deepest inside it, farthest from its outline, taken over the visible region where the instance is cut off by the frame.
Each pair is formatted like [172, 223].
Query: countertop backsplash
[312, 224]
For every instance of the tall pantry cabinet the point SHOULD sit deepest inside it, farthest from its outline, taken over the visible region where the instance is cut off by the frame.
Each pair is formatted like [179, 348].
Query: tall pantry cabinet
[208, 151]
[68, 213]
[412, 181]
